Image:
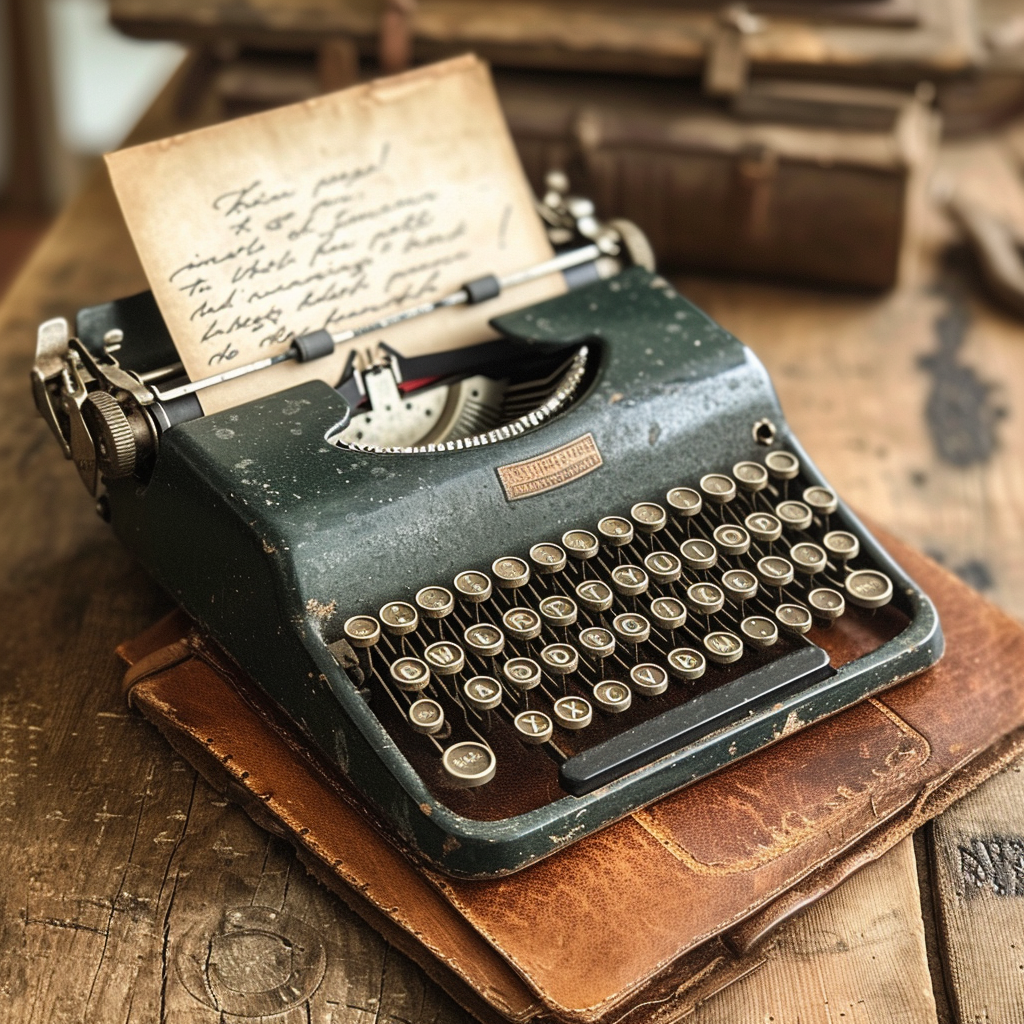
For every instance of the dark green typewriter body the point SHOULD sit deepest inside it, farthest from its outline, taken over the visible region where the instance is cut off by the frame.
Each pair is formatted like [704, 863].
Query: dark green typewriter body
[507, 643]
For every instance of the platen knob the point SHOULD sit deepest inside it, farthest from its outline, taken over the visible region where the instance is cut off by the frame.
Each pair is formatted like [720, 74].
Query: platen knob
[116, 448]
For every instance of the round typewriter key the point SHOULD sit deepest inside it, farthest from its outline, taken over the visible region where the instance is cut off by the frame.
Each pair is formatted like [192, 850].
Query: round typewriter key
[469, 764]
[435, 602]
[698, 554]
[521, 623]
[705, 598]
[533, 727]
[732, 540]
[510, 572]
[445, 658]
[485, 640]
[558, 610]
[410, 673]
[868, 588]
[723, 647]
[668, 612]
[597, 642]
[794, 514]
[739, 584]
[686, 663]
[580, 544]
[615, 530]
[663, 566]
[648, 680]
[763, 526]
[595, 595]
[629, 580]
[821, 499]
[399, 618]
[684, 501]
[751, 476]
[774, 571]
[521, 673]
[573, 712]
[782, 465]
[631, 628]
[474, 587]
[795, 617]
[759, 630]
[808, 558]
[826, 603]
[362, 630]
[648, 516]
[547, 558]
[718, 488]
[612, 696]
[841, 545]
[426, 716]
[560, 659]
[482, 692]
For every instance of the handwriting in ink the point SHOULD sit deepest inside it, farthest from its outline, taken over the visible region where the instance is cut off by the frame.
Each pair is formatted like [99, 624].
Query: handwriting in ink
[225, 355]
[350, 177]
[438, 238]
[276, 223]
[240, 199]
[196, 287]
[258, 268]
[390, 304]
[249, 249]
[206, 309]
[309, 224]
[441, 261]
[318, 275]
[319, 252]
[254, 322]
[335, 291]
[411, 222]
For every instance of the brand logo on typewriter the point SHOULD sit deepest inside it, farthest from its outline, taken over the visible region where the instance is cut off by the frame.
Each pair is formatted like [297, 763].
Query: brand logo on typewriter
[552, 469]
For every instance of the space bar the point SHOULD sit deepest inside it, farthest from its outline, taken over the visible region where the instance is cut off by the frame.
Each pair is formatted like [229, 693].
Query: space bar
[688, 722]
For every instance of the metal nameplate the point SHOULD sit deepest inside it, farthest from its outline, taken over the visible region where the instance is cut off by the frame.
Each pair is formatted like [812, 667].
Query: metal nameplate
[545, 472]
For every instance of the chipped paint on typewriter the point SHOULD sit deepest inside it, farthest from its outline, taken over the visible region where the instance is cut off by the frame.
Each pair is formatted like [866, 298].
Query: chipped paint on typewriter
[513, 591]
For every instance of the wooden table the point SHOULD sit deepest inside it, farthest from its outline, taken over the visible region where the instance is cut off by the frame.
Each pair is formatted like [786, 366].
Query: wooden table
[116, 857]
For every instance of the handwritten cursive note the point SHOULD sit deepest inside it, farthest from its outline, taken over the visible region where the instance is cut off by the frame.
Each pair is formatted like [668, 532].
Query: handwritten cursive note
[332, 213]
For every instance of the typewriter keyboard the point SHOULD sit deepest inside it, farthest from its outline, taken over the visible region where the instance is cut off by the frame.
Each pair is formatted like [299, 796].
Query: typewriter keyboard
[588, 650]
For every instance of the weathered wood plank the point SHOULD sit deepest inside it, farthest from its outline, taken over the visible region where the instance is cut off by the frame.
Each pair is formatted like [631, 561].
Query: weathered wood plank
[856, 957]
[977, 851]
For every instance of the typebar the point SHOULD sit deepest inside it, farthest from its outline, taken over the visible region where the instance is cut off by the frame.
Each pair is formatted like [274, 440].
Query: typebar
[646, 742]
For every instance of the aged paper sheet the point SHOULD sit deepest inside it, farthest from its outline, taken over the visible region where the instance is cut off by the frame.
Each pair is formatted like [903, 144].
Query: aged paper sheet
[332, 213]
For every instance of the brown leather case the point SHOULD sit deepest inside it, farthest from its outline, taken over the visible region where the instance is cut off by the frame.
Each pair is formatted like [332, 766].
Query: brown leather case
[650, 916]
[794, 180]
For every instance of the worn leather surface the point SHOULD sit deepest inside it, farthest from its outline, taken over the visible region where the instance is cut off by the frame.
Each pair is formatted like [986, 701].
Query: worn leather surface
[657, 911]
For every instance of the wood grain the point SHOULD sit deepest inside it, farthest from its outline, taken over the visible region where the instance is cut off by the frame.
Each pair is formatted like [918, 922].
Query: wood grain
[977, 850]
[856, 957]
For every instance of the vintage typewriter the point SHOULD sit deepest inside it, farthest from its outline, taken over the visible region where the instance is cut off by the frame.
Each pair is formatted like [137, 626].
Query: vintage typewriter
[513, 591]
